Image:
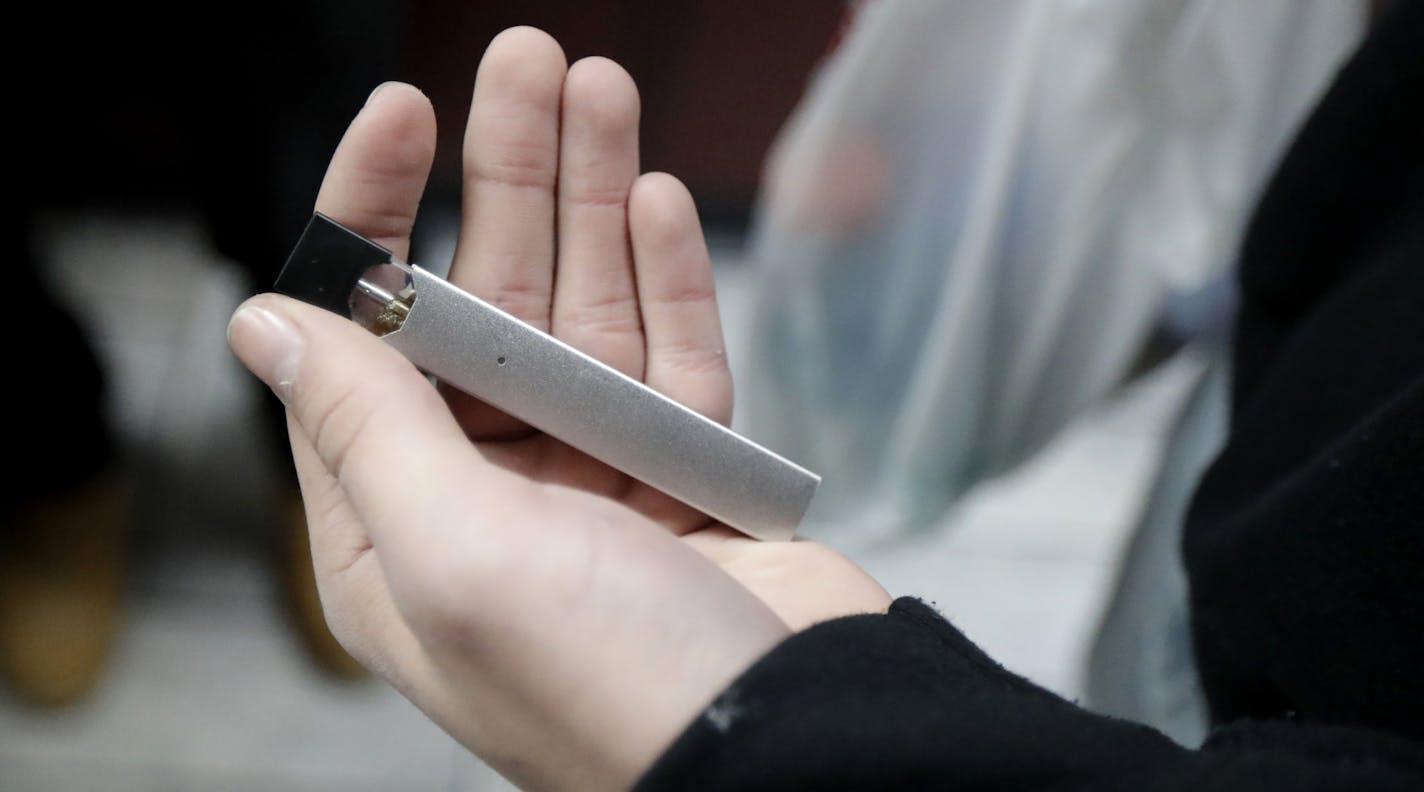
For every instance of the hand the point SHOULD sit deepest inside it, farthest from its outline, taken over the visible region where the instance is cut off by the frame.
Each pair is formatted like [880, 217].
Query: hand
[557, 618]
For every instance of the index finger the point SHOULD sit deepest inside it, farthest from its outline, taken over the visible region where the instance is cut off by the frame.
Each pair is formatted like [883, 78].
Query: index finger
[377, 175]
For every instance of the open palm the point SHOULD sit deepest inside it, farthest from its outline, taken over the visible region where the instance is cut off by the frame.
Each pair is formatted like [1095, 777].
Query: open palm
[521, 593]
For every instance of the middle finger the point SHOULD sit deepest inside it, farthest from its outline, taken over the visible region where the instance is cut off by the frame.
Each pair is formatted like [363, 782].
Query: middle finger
[595, 301]
[505, 254]
[506, 250]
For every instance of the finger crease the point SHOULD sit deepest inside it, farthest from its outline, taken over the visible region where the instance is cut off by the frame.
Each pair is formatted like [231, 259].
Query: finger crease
[690, 359]
[684, 295]
[517, 176]
[592, 198]
[336, 457]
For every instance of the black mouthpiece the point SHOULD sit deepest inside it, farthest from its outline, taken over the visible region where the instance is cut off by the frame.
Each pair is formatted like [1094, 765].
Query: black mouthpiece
[326, 264]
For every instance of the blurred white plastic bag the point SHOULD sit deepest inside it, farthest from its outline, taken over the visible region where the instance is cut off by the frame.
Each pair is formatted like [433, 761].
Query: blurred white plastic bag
[972, 220]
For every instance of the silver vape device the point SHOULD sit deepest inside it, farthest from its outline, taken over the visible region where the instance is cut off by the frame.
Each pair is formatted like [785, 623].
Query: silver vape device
[475, 347]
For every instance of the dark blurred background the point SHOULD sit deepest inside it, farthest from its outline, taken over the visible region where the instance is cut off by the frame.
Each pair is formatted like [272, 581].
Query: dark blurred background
[239, 105]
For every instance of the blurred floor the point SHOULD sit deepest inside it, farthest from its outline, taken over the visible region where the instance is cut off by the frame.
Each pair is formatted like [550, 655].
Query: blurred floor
[209, 688]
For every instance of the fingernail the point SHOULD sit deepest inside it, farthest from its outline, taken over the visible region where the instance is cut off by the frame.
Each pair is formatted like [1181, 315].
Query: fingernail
[269, 345]
[383, 86]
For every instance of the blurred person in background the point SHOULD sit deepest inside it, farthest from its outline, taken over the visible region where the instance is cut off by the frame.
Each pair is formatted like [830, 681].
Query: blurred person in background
[987, 216]
[116, 123]
[572, 628]
[964, 180]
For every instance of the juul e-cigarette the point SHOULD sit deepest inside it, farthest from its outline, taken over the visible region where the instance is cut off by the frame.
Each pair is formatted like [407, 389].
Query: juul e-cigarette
[477, 348]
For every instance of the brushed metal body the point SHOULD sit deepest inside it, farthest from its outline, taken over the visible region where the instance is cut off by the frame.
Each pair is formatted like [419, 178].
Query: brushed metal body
[481, 350]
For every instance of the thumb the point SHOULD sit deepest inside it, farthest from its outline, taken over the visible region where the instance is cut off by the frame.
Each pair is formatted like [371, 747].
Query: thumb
[377, 425]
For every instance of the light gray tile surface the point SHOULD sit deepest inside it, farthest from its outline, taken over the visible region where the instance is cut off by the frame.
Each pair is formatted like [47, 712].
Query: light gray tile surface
[208, 689]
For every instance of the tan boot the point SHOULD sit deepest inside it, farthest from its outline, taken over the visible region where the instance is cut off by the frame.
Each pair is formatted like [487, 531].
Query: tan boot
[299, 587]
[61, 586]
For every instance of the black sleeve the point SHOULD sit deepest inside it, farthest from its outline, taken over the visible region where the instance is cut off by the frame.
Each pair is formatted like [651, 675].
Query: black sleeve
[1304, 542]
[905, 701]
